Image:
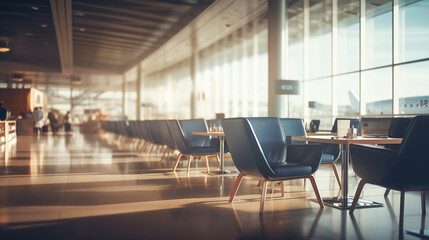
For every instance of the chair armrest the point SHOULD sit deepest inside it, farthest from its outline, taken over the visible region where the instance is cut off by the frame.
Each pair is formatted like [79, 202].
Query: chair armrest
[372, 163]
[306, 154]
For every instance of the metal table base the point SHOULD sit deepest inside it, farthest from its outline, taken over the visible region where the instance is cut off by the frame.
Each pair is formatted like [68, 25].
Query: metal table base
[337, 203]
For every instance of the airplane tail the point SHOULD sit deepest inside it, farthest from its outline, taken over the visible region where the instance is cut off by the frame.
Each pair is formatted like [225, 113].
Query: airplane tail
[353, 100]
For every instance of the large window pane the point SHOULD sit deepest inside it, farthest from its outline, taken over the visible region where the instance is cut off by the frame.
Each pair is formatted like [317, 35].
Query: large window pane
[295, 50]
[320, 38]
[318, 93]
[412, 88]
[413, 30]
[347, 94]
[348, 36]
[378, 33]
[377, 91]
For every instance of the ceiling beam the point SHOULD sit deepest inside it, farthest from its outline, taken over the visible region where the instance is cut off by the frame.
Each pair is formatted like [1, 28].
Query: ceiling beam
[129, 11]
[62, 14]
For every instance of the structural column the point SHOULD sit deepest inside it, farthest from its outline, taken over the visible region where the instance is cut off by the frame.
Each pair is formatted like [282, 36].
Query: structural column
[193, 73]
[277, 35]
[138, 91]
[124, 82]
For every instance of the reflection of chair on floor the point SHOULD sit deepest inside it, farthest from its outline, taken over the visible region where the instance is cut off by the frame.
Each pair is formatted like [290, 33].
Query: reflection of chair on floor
[403, 170]
[262, 233]
[258, 148]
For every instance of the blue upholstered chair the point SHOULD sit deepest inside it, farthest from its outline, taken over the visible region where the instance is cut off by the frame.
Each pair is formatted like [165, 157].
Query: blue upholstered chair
[259, 150]
[188, 144]
[331, 152]
[405, 169]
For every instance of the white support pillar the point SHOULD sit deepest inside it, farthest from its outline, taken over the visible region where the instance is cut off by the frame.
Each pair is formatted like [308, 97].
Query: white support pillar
[193, 74]
[124, 82]
[138, 91]
[276, 55]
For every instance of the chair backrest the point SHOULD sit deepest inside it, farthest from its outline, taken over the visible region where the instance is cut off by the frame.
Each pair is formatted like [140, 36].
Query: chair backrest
[143, 131]
[155, 128]
[195, 125]
[412, 164]
[148, 131]
[133, 128]
[167, 139]
[179, 137]
[293, 127]
[398, 127]
[247, 152]
[353, 122]
[271, 138]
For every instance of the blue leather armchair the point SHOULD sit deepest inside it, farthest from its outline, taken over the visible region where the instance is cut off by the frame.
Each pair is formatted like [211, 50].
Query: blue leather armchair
[188, 144]
[405, 169]
[259, 150]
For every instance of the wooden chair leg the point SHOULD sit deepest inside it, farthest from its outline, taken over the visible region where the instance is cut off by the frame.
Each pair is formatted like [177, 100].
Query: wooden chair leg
[387, 192]
[401, 213]
[218, 160]
[163, 155]
[236, 186]
[316, 191]
[282, 187]
[177, 161]
[334, 168]
[423, 202]
[357, 195]
[263, 195]
[207, 164]
[259, 183]
[189, 163]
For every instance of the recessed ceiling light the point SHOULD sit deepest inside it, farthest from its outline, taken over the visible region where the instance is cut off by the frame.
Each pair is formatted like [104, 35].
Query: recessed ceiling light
[29, 34]
[34, 8]
[82, 29]
[80, 14]
[44, 25]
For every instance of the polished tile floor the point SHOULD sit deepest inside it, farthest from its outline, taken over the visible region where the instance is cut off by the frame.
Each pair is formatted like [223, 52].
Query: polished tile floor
[75, 186]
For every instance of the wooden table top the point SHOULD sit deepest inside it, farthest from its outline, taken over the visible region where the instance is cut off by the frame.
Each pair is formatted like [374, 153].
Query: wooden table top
[209, 133]
[348, 141]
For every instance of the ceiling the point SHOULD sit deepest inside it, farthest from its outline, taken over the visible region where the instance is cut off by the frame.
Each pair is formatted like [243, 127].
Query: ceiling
[66, 37]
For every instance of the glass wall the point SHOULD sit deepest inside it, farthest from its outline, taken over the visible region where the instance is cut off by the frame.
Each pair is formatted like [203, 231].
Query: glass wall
[232, 78]
[167, 93]
[359, 58]
[352, 58]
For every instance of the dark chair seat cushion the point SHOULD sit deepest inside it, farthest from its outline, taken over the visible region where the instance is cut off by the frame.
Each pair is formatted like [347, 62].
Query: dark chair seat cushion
[291, 169]
[327, 158]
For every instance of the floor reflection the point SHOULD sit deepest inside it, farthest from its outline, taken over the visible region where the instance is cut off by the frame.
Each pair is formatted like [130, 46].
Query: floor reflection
[74, 186]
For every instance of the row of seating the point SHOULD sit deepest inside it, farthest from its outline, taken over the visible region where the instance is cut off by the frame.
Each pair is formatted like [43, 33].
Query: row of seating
[167, 136]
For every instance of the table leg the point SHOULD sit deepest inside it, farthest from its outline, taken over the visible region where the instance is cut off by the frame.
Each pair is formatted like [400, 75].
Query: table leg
[222, 157]
[222, 152]
[345, 157]
[345, 201]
